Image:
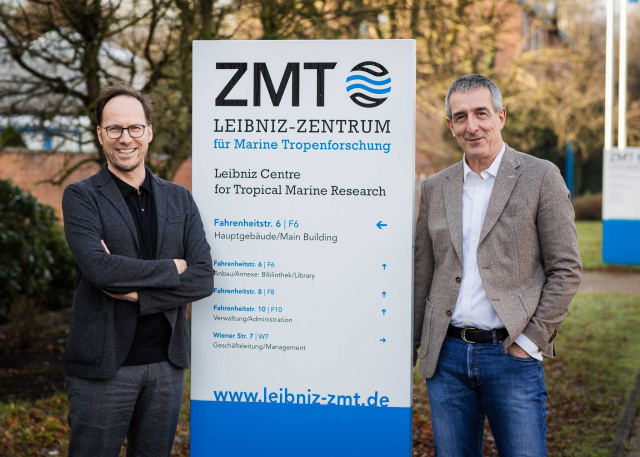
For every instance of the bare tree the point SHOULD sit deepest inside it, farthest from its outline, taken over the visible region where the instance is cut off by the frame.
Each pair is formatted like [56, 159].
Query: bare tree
[59, 53]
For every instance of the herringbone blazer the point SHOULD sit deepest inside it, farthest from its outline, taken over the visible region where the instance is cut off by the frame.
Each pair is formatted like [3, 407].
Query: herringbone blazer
[527, 254]
[102, 328]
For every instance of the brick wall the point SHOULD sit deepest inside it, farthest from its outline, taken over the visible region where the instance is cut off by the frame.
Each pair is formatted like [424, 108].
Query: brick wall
[28, 169]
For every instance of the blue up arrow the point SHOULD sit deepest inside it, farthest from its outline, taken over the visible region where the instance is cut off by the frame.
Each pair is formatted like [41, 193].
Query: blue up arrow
[384, 266]
[380, 225]
[384, 294]
[383, 340]
[384, 311]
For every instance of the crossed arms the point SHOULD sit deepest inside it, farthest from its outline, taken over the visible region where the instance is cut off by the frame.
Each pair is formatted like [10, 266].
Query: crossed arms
[181, 265]
[160, 284]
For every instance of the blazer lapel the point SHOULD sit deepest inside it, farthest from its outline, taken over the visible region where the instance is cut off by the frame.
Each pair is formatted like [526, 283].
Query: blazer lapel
[505, 182]
[160, 200]
[453, 207]
[110, 190]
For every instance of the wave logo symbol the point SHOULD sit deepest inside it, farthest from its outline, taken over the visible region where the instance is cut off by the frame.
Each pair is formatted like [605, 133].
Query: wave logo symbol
[368, 84]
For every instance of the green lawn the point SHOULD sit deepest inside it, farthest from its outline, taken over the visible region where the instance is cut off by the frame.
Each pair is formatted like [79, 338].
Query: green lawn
[39, 428]
[598, 351]
[590, 246]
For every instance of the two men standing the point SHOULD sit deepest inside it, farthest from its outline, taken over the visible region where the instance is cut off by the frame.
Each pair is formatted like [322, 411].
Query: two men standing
[141, 256]
[496, 265]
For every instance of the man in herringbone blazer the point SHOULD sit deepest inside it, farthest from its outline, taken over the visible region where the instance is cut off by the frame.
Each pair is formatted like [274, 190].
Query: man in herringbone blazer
[496, 266]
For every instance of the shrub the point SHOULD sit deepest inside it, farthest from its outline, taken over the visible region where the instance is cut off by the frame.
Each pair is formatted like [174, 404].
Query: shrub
[10, 137]
[588, 207]
[35, 261]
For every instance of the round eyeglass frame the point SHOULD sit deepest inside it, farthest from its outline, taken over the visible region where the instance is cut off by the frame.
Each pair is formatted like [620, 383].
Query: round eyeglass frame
[144, 127]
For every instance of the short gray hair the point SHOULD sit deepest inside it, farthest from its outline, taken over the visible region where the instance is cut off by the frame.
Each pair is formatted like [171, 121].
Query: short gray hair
[471, 82]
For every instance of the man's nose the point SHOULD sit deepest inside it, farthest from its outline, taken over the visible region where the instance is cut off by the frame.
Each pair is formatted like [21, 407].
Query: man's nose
[125, 137]
[472, 125]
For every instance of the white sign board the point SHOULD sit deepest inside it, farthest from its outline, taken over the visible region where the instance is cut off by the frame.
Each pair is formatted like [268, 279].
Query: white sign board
[303, 171]
[621, 206]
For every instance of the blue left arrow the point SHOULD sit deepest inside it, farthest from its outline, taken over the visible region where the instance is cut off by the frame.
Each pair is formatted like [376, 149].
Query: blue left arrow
[383, 340]
[380, 225]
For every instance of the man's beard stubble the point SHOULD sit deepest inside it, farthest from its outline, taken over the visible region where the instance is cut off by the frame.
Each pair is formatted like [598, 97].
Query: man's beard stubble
[113, 154]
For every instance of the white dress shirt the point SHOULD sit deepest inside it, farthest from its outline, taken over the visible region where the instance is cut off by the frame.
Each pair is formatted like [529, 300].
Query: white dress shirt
[473, 308]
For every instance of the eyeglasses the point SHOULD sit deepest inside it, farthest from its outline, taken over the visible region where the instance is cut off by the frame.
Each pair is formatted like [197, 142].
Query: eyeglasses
[115, 131]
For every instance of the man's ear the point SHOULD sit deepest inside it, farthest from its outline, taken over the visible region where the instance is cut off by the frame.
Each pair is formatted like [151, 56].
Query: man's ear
[450, 124]
[150, 133]
[502, 115]
[99, 134]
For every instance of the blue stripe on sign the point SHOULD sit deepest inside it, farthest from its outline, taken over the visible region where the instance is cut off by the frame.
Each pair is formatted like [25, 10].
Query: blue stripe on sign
[621, 241]
[293, 430]
[368, 89]
[369, 80]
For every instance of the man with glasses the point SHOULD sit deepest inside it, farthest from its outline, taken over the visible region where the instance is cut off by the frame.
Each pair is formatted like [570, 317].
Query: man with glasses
[141, 256]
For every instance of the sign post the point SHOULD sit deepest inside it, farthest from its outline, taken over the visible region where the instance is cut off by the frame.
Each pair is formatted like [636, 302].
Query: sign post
[621, 165]
[303, 170]
[621, 206]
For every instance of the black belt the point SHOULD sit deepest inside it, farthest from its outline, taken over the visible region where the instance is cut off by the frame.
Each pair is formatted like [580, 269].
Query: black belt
[474, 335]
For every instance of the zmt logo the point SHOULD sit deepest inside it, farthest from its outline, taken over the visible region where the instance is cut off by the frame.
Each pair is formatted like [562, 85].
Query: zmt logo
[261, 72]
[375, 83]
[621, 156]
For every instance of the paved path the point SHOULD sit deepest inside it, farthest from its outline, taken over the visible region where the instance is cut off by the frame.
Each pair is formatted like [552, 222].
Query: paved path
[622, 283]
[634, 445]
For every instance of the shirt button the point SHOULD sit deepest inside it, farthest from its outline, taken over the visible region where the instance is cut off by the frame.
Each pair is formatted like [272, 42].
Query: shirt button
[458, 279]
[466, 322]
[477, 212]
[466, 293]
[448, 313]
[474, 240]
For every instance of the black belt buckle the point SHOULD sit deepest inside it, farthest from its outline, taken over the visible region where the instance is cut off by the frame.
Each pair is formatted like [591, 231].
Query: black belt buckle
[462, 335]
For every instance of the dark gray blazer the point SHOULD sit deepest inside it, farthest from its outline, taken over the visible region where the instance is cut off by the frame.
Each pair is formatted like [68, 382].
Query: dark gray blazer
[102, 328]
[527, 254]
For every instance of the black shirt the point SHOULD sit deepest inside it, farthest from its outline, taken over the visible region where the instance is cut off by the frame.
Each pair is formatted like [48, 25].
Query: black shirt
[151, 340]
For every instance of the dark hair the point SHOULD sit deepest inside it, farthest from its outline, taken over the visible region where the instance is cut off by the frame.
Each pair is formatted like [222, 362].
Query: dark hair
[116, 90]
[471, 82]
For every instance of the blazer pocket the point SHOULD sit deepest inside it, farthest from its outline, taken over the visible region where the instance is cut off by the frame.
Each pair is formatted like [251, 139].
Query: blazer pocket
[426, 330]
[175, 219]
[527, 312]
[175, 226]
[85, 345]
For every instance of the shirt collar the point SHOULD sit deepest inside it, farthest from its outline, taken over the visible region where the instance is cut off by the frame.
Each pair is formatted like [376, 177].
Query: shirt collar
[125, 188]
[493, 168]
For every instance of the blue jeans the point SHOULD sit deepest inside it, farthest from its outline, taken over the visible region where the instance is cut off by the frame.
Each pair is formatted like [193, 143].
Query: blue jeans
[472, 380]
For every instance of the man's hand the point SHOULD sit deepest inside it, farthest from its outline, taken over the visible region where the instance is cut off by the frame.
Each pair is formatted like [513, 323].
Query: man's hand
[131, 296]
[181, 265]
[517, 351]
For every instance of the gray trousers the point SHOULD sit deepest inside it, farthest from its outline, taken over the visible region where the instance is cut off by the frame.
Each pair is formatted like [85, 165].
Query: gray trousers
[141, 402]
